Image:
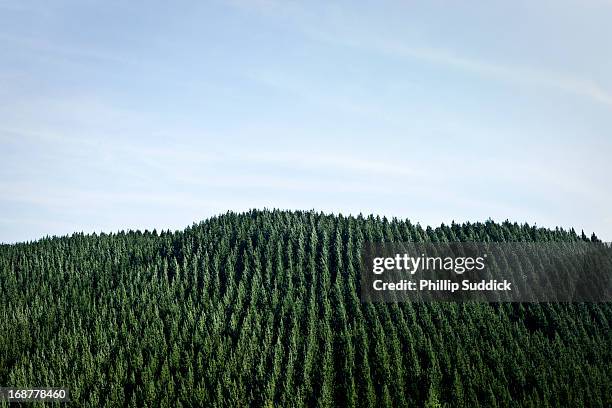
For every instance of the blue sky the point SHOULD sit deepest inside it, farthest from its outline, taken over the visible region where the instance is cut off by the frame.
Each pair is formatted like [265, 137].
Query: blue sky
[123, 115]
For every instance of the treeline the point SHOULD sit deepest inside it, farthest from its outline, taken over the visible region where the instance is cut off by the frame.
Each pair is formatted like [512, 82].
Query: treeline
[263, 309]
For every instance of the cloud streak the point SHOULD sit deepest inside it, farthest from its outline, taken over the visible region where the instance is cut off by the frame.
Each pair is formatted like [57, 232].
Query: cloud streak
[511, 73]
[334, 31]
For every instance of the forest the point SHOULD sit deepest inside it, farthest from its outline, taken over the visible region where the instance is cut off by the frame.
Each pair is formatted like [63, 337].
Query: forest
[263, 308]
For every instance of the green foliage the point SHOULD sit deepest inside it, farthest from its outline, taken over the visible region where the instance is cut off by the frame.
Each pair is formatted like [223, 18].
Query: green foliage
[263, 309]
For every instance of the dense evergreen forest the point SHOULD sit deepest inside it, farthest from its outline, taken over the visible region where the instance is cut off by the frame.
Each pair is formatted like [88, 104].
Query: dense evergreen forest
[263, 309]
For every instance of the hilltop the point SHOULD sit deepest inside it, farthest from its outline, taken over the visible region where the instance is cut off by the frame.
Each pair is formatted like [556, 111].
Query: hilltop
[262, 308]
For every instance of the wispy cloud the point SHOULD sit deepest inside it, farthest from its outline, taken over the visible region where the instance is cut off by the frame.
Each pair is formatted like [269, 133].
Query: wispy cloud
[345, 163]
[507, 72]
[52, 50]
[329, 28]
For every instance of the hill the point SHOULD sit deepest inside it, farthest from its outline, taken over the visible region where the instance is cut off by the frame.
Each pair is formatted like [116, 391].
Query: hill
[263, 309]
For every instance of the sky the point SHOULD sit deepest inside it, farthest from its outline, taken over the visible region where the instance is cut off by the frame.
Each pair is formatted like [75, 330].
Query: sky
[138, 115]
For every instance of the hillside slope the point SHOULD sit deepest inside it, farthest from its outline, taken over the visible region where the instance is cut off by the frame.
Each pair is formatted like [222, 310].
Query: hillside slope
[263, 308]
